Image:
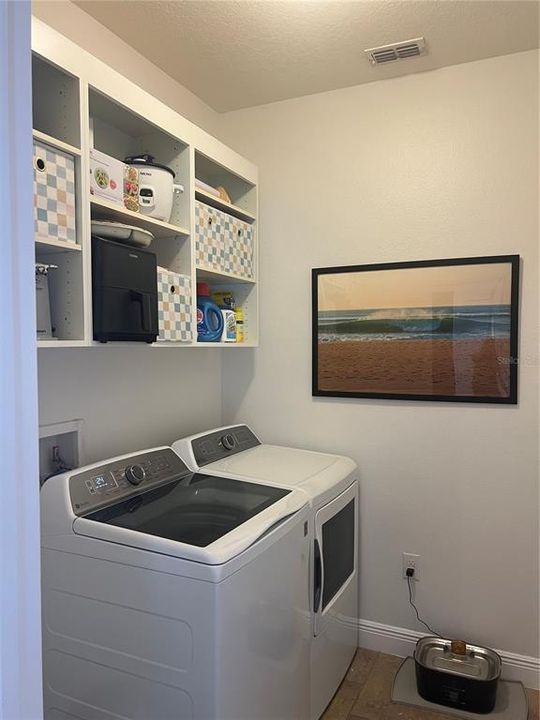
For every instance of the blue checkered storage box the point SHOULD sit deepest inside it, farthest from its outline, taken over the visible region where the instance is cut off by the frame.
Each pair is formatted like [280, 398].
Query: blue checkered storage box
[174, 306]
[222, 243]
[54, 194]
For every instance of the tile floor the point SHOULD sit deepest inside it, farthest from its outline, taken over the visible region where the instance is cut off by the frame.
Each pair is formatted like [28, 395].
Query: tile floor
[365, 693]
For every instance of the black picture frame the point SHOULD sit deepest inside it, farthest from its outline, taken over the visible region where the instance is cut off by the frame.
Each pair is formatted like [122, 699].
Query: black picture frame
[510, 362]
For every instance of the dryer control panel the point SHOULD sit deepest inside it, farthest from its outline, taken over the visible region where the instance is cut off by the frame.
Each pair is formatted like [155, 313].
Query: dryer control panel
[220, 444]
[107, 484]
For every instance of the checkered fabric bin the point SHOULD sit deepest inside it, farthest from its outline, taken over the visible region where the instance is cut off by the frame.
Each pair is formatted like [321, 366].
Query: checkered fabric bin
[222, 243]
[54, 194]
[239, 258]
[174, 306]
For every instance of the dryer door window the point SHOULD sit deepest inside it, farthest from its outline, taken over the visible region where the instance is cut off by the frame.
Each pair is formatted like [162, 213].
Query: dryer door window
[334, 552]
[337, 551]
[196, 510]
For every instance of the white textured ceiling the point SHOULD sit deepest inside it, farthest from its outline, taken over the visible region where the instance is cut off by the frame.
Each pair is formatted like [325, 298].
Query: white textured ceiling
[236, 54]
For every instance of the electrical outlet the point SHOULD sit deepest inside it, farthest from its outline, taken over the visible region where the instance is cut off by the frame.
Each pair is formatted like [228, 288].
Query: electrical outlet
[409, 560]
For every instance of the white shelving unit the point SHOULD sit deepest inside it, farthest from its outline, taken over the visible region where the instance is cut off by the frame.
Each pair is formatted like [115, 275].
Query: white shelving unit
[80, 103]
[57, 122]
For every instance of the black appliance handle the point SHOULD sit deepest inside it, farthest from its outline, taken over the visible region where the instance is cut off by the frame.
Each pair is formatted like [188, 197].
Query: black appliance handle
[317, 577]
[144, 301]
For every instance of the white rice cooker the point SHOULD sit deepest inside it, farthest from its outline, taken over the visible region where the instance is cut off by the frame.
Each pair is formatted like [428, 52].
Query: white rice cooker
[156, 186]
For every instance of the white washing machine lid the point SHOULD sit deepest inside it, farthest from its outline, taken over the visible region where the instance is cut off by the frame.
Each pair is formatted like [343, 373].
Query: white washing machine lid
[202, 518]
[319, 475]
[151, 501]
[273, 463]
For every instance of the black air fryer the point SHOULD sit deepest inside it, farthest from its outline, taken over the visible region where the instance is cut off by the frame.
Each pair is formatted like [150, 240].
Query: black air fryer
[124, 292]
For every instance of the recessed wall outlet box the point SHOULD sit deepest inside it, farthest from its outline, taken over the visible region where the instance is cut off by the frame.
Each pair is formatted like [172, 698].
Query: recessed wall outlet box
[410, 560]
[60, 444]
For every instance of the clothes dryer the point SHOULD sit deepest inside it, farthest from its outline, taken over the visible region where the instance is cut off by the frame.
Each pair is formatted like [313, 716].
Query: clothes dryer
[331, 484]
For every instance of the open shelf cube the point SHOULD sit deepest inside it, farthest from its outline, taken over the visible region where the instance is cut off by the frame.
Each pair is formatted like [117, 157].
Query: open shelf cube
[121, 133]
[246, 297]
[65, 293]
[55, 102]
[243, 194]
[226, 207]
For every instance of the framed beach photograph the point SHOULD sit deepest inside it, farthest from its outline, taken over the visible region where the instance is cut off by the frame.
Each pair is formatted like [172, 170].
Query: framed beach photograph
[443, 330]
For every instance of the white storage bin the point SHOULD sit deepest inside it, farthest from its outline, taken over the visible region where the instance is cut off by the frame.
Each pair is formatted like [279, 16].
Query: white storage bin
[174, 306]
[54, 194]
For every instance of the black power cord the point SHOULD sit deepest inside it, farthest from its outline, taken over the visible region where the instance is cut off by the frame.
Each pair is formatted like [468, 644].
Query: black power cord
[410, 574]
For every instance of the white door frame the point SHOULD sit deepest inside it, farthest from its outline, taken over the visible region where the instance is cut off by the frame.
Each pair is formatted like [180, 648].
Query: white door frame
[20, 602]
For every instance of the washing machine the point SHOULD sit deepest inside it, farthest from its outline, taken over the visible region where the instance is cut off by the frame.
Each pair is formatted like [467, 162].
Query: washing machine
[176, 594]
[331, 484]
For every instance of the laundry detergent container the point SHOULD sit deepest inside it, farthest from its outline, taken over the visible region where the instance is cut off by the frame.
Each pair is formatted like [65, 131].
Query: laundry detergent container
[209, 317]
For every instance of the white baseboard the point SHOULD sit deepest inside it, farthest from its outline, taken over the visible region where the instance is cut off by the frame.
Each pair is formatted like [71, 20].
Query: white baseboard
[401, 642]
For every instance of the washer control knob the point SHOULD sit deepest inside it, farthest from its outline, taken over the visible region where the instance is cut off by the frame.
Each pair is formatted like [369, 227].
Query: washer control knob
[228, 441]
[135, 474]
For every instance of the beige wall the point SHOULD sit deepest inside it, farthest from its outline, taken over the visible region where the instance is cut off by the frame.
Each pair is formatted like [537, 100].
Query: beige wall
[130, 398]
[74, 23]
[434, 165]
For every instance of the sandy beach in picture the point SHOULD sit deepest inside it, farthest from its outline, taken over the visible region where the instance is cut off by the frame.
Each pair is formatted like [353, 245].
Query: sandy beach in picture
[438, 367]
[434, 331]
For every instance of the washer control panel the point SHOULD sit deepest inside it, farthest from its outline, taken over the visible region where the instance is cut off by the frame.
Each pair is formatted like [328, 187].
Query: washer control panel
[220, 444]
[107, 484]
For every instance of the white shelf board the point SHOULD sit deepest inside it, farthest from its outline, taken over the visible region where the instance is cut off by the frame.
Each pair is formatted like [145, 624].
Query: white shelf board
[163, 344]
[219, 277]
[196, 344]
[227, 207]
[103, 210]
[230, 344]
[172, 344]
[50, 245]
[61, 343]
[54, 142]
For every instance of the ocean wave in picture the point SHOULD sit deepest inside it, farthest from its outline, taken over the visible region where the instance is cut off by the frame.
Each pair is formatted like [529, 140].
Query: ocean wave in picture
[438, 323]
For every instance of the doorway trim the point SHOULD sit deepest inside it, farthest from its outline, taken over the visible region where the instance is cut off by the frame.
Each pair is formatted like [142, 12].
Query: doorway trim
[20, 602]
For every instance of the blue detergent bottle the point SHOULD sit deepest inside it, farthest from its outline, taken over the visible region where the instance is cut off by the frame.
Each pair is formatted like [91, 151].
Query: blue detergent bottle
[209, 317]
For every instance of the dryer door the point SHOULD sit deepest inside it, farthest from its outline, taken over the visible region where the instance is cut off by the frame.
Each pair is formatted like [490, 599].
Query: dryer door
[335, 561]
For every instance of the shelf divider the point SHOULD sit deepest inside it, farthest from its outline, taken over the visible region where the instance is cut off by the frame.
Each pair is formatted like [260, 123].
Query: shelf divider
[216, 276]
[54, 142]
[51, 245]
[103, 210]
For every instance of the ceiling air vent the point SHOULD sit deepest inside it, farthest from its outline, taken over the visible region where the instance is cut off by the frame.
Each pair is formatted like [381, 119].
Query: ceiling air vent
[396, 51]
